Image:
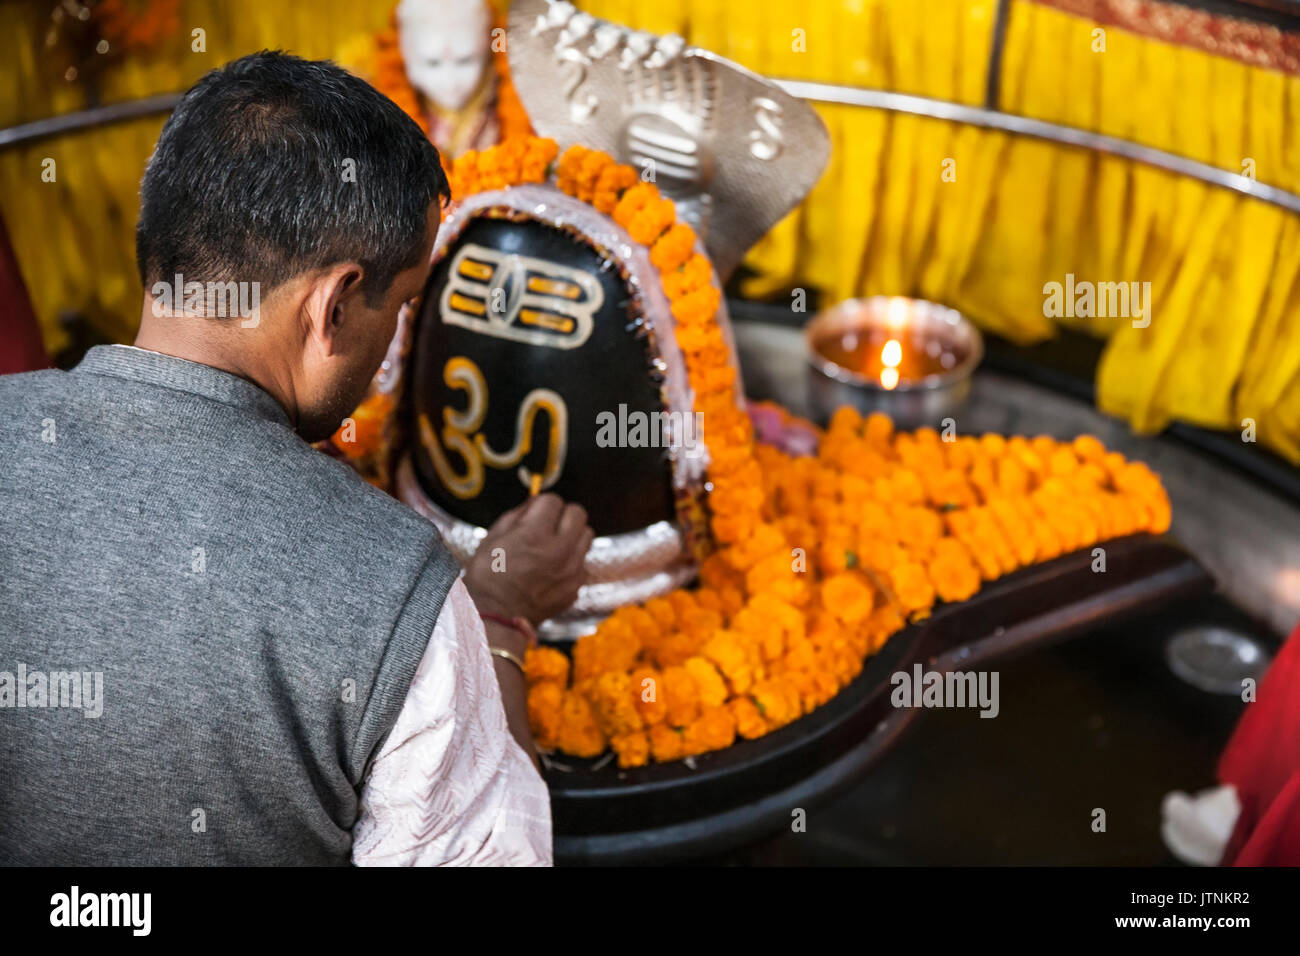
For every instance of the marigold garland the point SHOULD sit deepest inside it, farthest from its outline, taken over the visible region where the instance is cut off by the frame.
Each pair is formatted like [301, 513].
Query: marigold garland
[820, 558]
[512, 118]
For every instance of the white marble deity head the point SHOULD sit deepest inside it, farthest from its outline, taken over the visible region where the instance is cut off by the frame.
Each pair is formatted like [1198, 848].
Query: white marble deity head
[445, 44]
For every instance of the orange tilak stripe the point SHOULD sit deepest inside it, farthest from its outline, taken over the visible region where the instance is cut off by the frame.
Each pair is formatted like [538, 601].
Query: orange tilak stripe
[464, 303]
[545, 320]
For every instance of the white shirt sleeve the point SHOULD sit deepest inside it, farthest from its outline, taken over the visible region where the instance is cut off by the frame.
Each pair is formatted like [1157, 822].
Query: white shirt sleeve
[451, 786]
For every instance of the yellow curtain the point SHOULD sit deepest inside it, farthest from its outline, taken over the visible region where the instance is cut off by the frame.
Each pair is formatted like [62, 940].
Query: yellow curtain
[1011, 215]
[75, 237]
[1014, 214]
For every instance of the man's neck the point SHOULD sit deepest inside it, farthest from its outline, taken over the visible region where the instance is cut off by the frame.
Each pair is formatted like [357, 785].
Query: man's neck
[203, 350]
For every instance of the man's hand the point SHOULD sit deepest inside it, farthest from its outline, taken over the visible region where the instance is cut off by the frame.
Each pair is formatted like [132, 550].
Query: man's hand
[530, 564]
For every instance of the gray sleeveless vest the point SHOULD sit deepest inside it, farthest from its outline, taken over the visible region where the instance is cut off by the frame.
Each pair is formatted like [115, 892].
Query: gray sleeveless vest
[207, 628]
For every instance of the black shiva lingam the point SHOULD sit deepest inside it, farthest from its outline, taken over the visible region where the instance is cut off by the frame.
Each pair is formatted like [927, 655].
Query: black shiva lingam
[542, 318]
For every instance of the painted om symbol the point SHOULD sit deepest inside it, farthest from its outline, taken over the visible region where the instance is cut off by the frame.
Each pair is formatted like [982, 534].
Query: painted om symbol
[460, 433]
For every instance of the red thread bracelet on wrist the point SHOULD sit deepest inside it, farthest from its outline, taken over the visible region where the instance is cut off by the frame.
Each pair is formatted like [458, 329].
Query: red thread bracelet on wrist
[520, 624]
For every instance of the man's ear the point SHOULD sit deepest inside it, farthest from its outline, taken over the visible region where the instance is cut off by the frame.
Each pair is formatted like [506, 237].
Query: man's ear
[334, 292]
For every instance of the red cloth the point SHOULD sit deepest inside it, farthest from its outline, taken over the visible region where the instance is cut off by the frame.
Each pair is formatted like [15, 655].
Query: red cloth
[1262, 760]
[20, 336]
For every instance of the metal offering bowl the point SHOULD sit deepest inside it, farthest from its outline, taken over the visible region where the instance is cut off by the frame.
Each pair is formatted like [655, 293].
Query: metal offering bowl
[927, 353]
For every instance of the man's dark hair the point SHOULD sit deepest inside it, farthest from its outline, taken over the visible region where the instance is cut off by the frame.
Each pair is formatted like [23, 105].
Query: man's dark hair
[248, 181]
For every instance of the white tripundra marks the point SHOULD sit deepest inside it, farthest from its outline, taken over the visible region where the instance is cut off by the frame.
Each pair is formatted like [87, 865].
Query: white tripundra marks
[521, 298]
[22, 688]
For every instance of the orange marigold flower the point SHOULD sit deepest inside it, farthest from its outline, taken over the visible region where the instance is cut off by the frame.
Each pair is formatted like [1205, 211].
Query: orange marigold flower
[912, 586]
[695, 274]
[733, 599]
[661, 609]
[749, 722]
[993, 445]
[735, 498]
[465, 175]
[714, 729]
[675, 647]
[878, 428]
[763, 541]
[716, 571]
[905, 488]
[775, 576]
[1161, 513]
[707, 598]
[720, 378]
[917, 528]
[546, 664]
[1017, 536]
[1013, 477]
[701, 622]
[633, 201]
[614, 179]
[579, 734]
[952, 572]
[848, 596]
[788, 617]
[365, 437]
[612, 700]
[681, 697]
[541, 152]
[777, 699]
[1063, 461]
[950, 489]
[730, 655]
[614, 647]
[637, 619]
[696, 337]
[567, 173]
[673, 248]
[666, 743]
[593, 164]
[545, 703]
[698, 307]
[884, 622]
[683, 601]
[647, 695]
[800, 653]
[710, 688]
[845, 420]
[1088, 448]
[633, 748]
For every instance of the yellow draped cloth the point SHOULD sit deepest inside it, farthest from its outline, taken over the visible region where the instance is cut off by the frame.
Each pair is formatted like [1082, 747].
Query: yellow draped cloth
[1009, 216]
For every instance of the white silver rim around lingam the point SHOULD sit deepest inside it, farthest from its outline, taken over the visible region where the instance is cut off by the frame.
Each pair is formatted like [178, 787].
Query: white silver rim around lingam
[623, 568]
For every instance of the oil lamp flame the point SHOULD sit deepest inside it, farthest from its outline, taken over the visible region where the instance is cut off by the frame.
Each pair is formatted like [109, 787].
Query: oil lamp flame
[890, 356]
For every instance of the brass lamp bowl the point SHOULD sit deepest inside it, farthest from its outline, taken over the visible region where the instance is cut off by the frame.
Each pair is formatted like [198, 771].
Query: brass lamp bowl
[908, 358]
